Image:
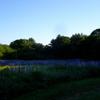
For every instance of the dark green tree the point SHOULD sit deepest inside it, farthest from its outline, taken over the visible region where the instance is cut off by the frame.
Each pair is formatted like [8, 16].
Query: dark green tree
[4, 51]
[22, 43]
[59, 45]
[76, 45]
[76, 39]
[96, 32]
[27, 49]
[60, 41]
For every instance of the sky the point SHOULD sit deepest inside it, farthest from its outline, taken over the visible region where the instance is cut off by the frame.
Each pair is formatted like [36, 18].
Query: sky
[43, 20]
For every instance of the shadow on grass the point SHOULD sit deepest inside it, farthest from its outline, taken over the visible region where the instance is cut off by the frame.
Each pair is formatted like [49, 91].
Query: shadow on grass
[14, 84]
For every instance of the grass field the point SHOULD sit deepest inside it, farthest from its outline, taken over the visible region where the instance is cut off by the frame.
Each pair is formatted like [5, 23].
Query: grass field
[54, 82]
[88, 89]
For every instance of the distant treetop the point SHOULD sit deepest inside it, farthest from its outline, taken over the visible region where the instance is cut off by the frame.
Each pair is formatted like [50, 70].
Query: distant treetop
[96, 32]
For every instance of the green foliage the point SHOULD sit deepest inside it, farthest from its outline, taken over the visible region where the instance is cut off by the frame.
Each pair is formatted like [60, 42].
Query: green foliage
[62, 47]
[77, 38]
[58, 47]
[22, 43]
[4, 50]
[96, 32]
[26, 49]
[60, 41]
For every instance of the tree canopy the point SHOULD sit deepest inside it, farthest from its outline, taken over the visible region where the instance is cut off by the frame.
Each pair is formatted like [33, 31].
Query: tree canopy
[96, 32]
[62, 47]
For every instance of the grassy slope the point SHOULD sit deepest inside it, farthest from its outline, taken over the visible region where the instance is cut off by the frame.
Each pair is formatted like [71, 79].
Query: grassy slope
[88, 89]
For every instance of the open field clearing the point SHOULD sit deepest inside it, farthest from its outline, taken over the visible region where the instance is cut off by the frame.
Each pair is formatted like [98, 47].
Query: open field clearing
[49, 82]
[88, 89]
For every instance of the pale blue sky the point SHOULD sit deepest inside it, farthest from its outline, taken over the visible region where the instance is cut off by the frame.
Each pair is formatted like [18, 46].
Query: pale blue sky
[45, 19]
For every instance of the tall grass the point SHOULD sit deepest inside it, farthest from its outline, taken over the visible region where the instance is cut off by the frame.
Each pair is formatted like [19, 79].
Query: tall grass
[18, 80]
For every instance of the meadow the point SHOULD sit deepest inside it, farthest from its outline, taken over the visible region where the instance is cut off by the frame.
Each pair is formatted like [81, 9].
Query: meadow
[50, 81]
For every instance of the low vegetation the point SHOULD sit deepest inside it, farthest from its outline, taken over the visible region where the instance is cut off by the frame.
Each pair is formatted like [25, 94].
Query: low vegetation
[53, 82]
[88, 89]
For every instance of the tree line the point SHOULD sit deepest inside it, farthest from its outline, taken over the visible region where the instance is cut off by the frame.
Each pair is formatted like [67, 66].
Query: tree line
[62, 47]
